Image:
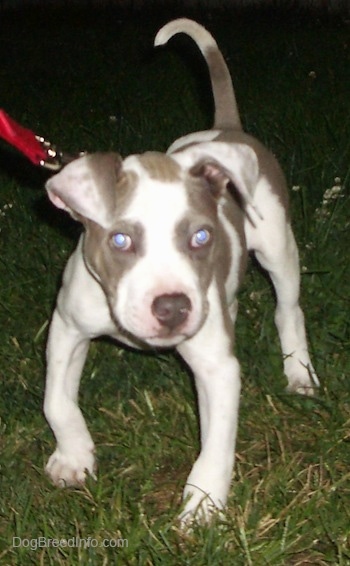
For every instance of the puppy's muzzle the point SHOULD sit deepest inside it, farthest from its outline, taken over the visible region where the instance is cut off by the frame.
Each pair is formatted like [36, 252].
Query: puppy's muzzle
[171, 311]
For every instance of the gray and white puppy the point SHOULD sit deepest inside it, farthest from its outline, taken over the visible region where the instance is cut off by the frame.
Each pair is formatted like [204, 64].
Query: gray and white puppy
[159, 264]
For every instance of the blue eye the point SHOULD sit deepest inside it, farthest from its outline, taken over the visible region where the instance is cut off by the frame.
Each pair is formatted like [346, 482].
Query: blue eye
[121, 241]
[200, 238]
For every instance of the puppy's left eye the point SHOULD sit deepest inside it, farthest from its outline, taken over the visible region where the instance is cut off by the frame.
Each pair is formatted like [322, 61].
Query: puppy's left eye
[200, 238]
[122, 242]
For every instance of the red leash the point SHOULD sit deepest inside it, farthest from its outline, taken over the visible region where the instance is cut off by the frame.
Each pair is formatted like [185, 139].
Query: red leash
[38, 150]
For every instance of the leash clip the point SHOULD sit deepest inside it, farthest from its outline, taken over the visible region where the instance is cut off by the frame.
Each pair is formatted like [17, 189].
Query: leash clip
[52, 158]
[36, 148]
[55, 159]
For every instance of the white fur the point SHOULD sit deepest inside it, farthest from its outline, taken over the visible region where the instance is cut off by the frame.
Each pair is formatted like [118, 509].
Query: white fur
[196, 137]
[191, 28]
[216, 372]
[82, 313]
[204, 340]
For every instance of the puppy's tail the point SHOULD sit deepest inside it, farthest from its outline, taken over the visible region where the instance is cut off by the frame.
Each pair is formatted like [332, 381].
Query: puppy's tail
[226, 111]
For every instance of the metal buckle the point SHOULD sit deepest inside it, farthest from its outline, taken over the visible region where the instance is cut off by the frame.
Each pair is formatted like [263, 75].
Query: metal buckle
[55, 159]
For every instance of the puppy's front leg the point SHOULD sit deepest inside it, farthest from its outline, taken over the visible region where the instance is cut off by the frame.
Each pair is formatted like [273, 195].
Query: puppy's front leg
[217, 377]
[74, 454]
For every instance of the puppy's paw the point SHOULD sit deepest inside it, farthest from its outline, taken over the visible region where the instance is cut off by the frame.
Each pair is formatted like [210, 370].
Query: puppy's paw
[71, 468]
[199, 509]
[302, 389]
[303, 381]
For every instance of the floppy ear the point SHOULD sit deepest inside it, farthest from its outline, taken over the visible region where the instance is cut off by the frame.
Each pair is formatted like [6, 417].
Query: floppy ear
[220, 163]
[86, 187]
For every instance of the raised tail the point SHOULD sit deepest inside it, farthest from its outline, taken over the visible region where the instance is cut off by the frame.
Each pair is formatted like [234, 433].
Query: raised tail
[226, 110]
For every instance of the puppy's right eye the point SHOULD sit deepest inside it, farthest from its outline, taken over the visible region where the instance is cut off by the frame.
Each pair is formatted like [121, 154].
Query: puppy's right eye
[122, 242]
[200, 238]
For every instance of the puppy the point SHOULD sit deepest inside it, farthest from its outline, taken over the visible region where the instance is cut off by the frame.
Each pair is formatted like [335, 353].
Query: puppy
[159, 265]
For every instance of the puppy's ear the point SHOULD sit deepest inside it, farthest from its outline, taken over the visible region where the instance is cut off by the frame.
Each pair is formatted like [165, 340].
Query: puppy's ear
[214, 173]
[222, 163]
[86, 187]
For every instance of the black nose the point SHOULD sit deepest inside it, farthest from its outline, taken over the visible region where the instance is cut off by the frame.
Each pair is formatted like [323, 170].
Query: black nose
[171, 310]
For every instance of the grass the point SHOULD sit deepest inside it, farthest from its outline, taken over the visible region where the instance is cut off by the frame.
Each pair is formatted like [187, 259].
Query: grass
[97, 84]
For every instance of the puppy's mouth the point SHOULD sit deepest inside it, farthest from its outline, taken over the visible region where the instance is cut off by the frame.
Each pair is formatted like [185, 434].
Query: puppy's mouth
[162, 337]
[167, 338]
[161, 341]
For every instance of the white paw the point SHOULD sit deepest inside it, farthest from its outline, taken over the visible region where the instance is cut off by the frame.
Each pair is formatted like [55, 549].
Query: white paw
[303, 380]
[71, 468]
[200, 508]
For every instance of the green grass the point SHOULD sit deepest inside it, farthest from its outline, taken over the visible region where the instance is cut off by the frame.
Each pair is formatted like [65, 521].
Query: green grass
[289, 503]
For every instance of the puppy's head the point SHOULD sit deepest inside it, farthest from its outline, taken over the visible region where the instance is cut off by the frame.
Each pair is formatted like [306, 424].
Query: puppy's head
[153, 237]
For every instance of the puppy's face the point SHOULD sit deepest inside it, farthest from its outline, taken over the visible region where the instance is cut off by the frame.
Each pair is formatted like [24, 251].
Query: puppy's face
[153, 239]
